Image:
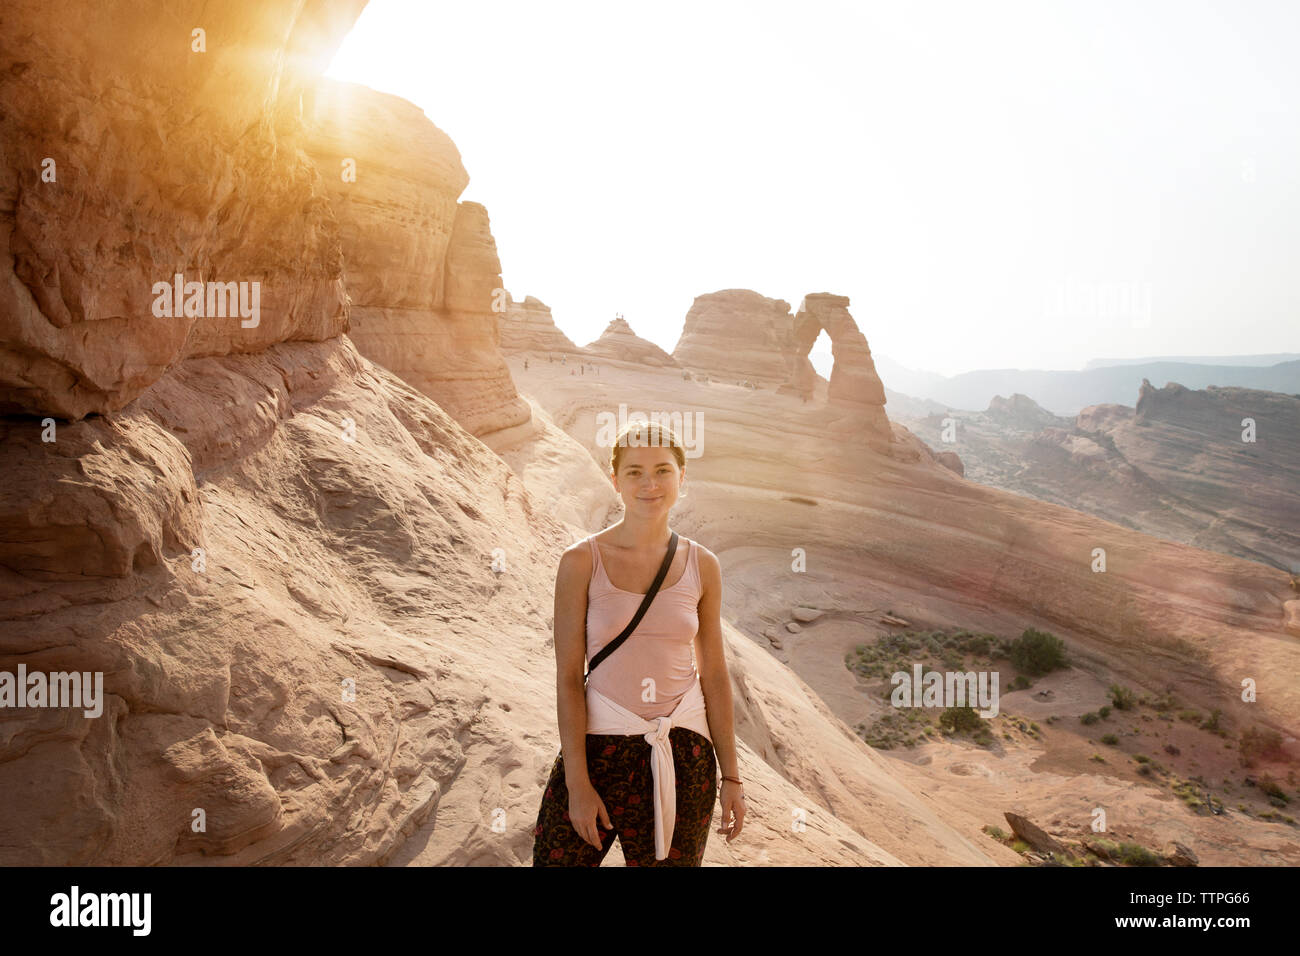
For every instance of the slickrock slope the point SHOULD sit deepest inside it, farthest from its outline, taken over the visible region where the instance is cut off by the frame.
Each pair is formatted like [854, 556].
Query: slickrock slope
[422, 269]
[802, 520]
[397, 553]
[529, 327]
[1175, 466]
[118, 178]
[738, 334]
[620, 343]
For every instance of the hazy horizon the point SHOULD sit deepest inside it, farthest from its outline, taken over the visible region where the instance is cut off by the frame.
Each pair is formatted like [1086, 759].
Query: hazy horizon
[993, 186]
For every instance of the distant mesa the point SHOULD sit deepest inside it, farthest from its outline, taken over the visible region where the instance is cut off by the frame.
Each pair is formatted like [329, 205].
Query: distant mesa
[620, 343]
[1022, 411]
[528, 326]
[1179, 465]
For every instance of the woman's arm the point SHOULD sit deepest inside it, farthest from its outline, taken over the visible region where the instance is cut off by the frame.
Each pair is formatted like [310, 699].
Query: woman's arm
[570, 629]
[715, 681]
[587, 811]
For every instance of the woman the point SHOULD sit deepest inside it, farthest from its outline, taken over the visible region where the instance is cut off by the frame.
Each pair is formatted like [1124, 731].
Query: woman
[654, 788]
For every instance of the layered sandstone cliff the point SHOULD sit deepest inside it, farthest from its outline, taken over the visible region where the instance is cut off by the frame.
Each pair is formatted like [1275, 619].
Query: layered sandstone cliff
[422, 268]
[528, 326]
[738, 334]
[118, 179]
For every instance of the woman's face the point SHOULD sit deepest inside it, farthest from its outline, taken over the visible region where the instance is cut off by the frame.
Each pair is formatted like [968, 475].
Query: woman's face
[648, 480]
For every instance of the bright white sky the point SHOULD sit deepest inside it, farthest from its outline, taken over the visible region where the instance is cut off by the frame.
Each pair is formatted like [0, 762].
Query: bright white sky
[992, 184]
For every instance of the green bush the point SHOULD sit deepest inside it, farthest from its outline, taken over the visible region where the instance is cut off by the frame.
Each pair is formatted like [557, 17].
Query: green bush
[1037, 652]
[1110, 740]
[1021, 683]
[1276, 795]
[1212, 722]
[1088, 718]
[958, 719]
[1134, 854]
[1122, 697]
[1104, 712]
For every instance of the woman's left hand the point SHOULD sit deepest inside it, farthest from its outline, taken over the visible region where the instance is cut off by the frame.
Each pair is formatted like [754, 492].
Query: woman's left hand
[732, 799]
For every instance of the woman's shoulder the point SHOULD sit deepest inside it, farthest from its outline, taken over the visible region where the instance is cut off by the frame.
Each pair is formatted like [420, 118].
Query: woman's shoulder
[577, 560]
[710, 568]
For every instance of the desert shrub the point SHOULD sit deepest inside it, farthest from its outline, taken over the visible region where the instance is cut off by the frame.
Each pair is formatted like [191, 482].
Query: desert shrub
[958, 719]
[995, 832]
[1166, 701]
[1262, 742]
[1172, 750]
[1110, 740]
[1021, 682]
[1122, 697]
[1212, 722]
[1088, 718]
[1276, 795]
[1104, 712]
[1037, 652]
[1135, 854]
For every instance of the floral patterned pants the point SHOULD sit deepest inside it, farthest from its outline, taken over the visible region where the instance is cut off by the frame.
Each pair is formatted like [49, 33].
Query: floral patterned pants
[619, 768]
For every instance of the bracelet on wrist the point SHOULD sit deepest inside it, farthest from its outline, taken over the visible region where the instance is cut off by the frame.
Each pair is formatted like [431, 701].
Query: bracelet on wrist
[732, 779]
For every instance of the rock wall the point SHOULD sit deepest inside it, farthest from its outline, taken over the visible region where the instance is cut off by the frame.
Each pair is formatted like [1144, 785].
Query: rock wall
[422, 268]
[116, 179]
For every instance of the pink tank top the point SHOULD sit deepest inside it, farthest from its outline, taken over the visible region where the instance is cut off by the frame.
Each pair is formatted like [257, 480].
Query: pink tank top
[651, 671]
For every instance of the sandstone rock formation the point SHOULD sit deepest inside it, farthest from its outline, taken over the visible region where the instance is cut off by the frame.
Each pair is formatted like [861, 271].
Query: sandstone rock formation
[529, 327]
[854, 386]
[107, 191]
[738, 334]
[422, 269]
[620, 343]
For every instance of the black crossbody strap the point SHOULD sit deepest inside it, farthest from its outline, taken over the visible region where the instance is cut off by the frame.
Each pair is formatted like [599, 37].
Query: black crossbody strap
[640, 612]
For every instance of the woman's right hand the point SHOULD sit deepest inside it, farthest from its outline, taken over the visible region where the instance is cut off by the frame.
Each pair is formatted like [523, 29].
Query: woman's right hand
[585, 810]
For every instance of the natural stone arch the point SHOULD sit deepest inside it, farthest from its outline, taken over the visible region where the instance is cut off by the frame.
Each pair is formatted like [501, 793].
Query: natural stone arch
[853, 376]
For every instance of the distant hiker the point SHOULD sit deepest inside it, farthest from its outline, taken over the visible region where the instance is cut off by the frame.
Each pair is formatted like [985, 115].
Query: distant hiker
[525, 365]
